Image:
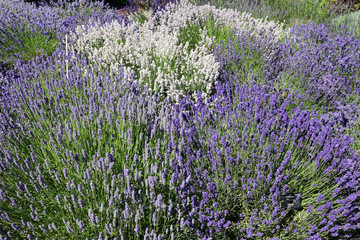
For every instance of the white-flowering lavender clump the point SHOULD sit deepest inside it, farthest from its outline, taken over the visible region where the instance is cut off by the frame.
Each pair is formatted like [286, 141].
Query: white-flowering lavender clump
[153, 50]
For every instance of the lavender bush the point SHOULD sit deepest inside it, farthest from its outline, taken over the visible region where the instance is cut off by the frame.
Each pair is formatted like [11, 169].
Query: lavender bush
[87, 153]
[71, 134]
[254, 152]
[305, 61]
[115, 44]
[329, 66]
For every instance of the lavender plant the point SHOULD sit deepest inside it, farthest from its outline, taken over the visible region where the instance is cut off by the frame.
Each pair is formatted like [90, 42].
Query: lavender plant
[318, 81]
[286, 147]
[23, 40]
[331, 71]
[253, 155]
[115, 44]
[75, 192]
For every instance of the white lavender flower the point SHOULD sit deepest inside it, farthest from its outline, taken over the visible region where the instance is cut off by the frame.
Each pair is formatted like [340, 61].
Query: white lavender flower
[115, 44]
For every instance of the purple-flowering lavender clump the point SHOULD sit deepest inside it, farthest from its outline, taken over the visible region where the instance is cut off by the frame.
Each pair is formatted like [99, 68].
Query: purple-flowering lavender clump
[329, 63]
[253, 155]
[57, 147]
[321, 66]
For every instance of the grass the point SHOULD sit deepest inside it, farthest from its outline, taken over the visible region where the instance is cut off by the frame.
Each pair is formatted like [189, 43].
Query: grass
[126, 148]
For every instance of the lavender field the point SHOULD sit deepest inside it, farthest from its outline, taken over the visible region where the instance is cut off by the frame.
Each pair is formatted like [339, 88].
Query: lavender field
[216, 119]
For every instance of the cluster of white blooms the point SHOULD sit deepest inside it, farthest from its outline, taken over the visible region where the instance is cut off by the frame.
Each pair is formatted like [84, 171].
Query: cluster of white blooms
[138, 46]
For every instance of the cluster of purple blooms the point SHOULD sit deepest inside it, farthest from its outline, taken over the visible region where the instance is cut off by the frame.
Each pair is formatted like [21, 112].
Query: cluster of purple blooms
[84, 156]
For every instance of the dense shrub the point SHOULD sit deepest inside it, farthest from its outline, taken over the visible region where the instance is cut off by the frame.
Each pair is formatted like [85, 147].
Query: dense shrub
[187, 65]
